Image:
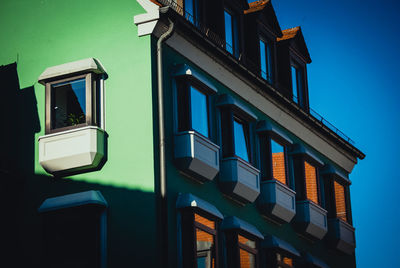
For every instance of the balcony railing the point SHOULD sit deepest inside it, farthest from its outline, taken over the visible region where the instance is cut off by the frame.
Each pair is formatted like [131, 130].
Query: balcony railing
[253, 68]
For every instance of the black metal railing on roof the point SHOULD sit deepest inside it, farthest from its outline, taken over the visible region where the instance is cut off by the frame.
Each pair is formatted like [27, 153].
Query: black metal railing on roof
[252, 67]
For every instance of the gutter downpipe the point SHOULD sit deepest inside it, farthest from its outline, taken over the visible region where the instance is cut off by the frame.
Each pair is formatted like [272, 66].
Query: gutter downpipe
[163, 205]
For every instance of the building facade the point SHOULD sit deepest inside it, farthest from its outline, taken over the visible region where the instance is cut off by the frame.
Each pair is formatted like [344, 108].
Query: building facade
[182, 139]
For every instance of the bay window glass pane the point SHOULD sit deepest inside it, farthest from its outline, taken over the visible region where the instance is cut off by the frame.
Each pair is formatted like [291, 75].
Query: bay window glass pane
[205, 249]
[68, 103]
[240, 141]
[245, 241]
[278, 162]
[311, 182]
[247, 259]
[228, 32]
[204, 221]
[199, 111]
[295, 89]
[263, 60]
[340, 201]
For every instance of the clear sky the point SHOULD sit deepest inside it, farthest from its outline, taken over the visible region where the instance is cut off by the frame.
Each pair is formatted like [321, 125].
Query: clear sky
[353, 83]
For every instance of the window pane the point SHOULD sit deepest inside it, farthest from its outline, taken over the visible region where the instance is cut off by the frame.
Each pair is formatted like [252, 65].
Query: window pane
[288, 261]
[68, 103]
[340, 201]
[246, 241]
[294, 85]
[278, 162]
[241, 149]
[247, 259]
[269, 62]
[311, 182]
[205, 249]
[204, 221]
[199, 111]
[189, 10]
[263, 60]
[228, 32]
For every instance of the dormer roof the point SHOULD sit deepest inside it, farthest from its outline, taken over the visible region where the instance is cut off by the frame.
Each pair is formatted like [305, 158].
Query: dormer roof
[294, 37]
[265, 12]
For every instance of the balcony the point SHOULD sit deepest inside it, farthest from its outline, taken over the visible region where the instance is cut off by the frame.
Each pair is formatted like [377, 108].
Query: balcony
[196, 155]
[341, 235]
[277, 201]
[239, 180]
[73, 151]
[310, 220]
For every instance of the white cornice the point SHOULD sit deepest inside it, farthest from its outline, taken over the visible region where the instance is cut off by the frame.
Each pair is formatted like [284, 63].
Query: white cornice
[146, 22]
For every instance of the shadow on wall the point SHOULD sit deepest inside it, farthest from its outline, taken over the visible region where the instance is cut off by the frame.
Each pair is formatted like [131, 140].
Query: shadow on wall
[130, 215]
[19, 123]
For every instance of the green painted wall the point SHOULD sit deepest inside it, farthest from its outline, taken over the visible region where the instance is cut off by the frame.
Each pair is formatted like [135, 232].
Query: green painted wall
[39, 34]
[209, 191]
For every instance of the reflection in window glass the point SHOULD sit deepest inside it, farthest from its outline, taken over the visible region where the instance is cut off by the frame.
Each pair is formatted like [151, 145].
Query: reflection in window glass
[295, 88]
[340, 201]
[205, 249]
[284, 261]
[68, 103]
[278, 161]
[189, 8]
[263, 60]
[247, 259]
[228, 32]
[311, 182]
[246, 241]
[266, 60]
[199, 111]
[204, 221]
[240, 140]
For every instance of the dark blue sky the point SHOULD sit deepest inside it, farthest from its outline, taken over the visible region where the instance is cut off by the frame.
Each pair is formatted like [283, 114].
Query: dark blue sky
[353, 83]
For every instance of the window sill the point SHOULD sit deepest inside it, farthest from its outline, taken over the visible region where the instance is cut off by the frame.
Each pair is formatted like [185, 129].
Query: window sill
[277, 201]
[311, 219]
[341, 235]
[196, 155]
[73, 151]
[239, 179]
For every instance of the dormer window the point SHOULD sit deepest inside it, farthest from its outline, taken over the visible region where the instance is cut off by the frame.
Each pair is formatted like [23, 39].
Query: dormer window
[231, 33]
[297, 84]
[192, 11]
[266, 59]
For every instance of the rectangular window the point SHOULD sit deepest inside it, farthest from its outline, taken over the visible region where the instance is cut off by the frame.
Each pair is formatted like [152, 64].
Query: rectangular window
[247, 252]
[278, 162]
[74, 100]
[199, 111]
[231, 33]
[266, 60]
[189, 7]
[193, 109]
[228, 32]
[311, 182]
[295, 84]
[340, 201]
[68, 103]
[284, 261]
[192, 11]
[205, 242]
[240, 136]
